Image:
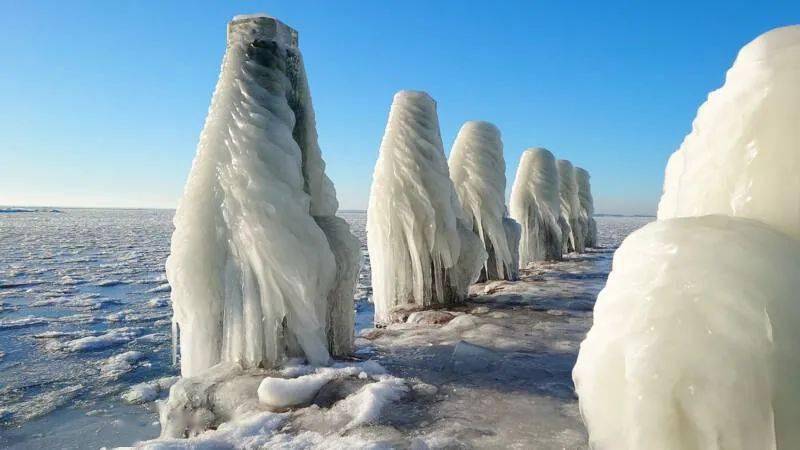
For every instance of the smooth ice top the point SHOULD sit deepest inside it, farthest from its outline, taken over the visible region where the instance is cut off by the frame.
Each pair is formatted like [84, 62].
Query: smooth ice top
[261, 27]
[742, 157]
[477, 168]
[584, 190]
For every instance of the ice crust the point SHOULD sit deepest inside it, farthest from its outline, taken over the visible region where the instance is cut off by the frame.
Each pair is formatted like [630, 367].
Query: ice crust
[694, 337]
[741, 158]
[586, 212]
[422, 253]
[535, 206]
[256, 258]
[571, 227]
[477, 168]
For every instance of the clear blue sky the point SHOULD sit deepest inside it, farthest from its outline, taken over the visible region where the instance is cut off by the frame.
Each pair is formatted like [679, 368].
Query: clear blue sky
[102, 103]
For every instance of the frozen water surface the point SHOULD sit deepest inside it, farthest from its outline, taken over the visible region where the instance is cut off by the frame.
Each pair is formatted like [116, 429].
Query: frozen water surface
[85, 344]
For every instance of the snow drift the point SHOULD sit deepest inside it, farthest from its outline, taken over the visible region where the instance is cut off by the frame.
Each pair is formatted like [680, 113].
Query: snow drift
[694, 336]
[477, 168]
[422, 253]
[572, 232]
[535, 205]
[586, 212]
[259, 267]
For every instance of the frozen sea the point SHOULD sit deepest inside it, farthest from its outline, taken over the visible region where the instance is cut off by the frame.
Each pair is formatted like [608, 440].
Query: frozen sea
[85, 315]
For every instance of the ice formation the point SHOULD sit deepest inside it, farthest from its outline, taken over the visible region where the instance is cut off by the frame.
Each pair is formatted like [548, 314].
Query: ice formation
[477, 168]
[694, 337]
[586, 201]
[422, 253]
[741, 158]
[535, 205]
[259, 266]
[572, 232]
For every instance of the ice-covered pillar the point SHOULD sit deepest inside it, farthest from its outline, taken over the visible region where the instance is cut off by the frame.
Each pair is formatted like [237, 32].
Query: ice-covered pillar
[536, 206]
[586, 217]
[257, 256]
[421, 252]
[694, 340]
[477, 168]
[572, 233]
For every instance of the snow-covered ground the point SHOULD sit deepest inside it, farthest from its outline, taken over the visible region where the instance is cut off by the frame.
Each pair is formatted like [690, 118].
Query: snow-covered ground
[85, 344]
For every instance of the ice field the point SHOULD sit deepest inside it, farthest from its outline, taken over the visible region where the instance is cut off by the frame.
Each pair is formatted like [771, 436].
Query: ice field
[85, 343]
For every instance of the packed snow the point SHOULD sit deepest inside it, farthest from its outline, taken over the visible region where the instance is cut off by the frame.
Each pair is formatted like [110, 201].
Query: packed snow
[478, 170]
[535, 205]
[248, 284]
[694, 337]
[422, 252]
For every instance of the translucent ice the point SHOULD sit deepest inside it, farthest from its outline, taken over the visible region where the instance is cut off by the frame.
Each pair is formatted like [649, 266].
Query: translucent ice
[256, 258]
[535, 205]
[477, 168]
[422, 253]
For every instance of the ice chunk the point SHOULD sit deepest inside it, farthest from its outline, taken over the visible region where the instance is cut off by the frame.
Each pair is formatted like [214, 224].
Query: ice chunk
[741, 158]
[285, 392]
[571, 227]
[694, 340]
[586, 212]
[477, 168]
[535, 205]
[251, 268]
[421, 252]
[118, 365]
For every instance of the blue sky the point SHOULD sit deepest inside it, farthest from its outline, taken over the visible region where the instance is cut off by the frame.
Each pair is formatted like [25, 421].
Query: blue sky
[102, 103]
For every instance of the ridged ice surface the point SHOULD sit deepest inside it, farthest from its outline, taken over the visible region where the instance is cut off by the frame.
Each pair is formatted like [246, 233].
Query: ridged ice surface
[535, 205]
[572, 233]
[586, 200]
[694, 342]
[741, 158]
[477, 168]
[250, 268]
[421, 252]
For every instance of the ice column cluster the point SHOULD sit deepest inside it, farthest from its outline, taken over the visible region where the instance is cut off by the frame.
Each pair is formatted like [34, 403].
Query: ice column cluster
[586, 212]
[694, 342]
[535, 205]
[477, 168]
[260, 267]
[422, 252]
[572, 233]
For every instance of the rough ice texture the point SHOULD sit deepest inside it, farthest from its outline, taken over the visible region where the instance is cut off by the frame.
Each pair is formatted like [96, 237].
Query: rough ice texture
[571, 227]
[478, 171]
[422, 253]
[694, 340]
[535, 206]
[252, 270]
[743, 154]
[586, 216]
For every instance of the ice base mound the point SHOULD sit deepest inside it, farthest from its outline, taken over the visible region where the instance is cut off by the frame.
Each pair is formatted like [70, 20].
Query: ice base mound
[694, 340]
